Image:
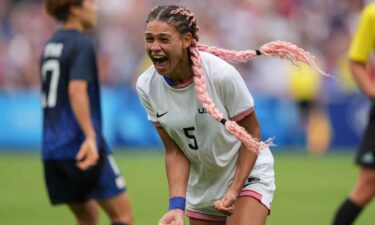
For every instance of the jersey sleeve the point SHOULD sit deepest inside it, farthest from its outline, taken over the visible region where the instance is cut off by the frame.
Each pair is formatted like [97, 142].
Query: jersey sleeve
[364, 38]
[83, 61]
[236, 96]
[146, 104]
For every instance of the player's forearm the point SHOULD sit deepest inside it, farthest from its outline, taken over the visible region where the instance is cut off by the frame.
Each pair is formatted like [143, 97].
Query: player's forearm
[246, 159]
[363, 78]
[178, 168]
[245, 163]
[79, 100]
[176, 163]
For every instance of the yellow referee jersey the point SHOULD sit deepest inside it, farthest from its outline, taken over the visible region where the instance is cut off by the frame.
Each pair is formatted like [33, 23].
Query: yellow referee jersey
[363, 41]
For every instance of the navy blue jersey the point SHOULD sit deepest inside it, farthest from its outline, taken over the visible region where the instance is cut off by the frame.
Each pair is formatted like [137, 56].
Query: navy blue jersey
[68, 55]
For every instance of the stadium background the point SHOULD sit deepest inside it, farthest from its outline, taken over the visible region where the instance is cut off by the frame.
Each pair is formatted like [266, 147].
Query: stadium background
[322, 27]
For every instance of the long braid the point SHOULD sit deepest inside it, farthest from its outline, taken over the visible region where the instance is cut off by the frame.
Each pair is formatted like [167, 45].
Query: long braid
[200, 87]
[279, 49]
[184, 22]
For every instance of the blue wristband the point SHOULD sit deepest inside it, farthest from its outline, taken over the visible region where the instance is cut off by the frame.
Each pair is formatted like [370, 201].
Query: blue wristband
[177, 203]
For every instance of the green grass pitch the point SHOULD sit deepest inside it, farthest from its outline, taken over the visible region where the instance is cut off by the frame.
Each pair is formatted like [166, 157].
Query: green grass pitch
[308, 189]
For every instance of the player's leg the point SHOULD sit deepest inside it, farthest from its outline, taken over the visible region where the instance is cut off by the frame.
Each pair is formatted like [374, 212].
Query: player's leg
[202, 218]
[67, 184]
[111, 195]
[248, 211]
[118, 209]
[254, 204]
[362, 193]
[85, 213]
[364, 190]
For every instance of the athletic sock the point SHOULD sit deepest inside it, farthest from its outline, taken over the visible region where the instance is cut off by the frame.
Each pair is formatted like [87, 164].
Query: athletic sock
[347, 213]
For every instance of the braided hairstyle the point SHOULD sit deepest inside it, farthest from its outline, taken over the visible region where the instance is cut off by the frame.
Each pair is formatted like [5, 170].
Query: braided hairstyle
[184, 21]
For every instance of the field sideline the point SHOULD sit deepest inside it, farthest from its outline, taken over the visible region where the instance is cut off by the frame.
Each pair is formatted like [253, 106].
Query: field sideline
[308, 189]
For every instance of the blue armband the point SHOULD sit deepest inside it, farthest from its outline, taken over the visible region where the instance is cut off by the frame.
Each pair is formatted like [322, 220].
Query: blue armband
[177, 203]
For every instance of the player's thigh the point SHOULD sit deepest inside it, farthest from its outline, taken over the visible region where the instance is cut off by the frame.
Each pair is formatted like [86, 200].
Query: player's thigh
[118, 207]
[367, 176]
[364, 189]
[67, 184]
[86, 212]
[202, 222]
[248, 211]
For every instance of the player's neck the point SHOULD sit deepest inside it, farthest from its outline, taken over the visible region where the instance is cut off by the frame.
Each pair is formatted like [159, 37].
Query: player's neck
[183, 71]
[73, 24]
[181, 75]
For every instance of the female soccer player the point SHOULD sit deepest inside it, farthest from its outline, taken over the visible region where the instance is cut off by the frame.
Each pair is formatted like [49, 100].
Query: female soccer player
[364, 190]
[205, 117]
[78, 166]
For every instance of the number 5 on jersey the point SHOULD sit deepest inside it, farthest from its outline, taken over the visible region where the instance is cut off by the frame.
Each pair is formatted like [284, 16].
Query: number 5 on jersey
[189, 133]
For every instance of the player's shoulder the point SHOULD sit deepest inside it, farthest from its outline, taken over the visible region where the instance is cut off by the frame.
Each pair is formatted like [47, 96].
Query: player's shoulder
[83, 40]
[217, 68]
[144, 80]
[72, 39]
[370, 6]
[369, 11]
[214, 61]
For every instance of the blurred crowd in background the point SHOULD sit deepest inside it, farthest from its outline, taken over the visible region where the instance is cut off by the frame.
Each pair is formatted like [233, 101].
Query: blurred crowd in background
[322, 27]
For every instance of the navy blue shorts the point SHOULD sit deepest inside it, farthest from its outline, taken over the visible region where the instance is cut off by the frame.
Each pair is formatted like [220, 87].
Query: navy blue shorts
[68, 184]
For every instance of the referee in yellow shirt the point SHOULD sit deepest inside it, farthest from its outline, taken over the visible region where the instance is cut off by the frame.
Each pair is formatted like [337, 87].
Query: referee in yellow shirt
[362, 45]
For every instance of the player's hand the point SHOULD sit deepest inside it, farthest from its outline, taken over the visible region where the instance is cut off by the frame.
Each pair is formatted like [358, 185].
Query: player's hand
[226, 204]
[172, 217]
[88, 154]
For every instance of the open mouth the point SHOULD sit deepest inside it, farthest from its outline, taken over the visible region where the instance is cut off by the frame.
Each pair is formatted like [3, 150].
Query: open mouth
[160, 62]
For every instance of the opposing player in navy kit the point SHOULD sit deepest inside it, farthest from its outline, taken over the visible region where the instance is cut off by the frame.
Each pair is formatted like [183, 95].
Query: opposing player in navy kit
[218, 169]
[78, 166]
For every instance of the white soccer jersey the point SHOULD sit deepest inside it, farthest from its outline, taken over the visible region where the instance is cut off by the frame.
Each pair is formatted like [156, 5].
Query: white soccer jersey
[210, 148]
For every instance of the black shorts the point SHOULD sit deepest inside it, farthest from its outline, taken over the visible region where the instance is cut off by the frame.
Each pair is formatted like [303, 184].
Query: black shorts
[366, 153]
[68, 184]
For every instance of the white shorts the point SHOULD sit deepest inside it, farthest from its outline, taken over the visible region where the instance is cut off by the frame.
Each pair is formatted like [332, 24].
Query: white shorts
[260, 186]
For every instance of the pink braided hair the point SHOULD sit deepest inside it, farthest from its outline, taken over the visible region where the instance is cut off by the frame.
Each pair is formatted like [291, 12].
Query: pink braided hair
[200, 87]
[185, 12]
[279, 49]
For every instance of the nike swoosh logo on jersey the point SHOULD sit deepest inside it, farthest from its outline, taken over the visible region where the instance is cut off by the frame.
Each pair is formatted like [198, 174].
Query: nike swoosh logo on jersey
[160, 115]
